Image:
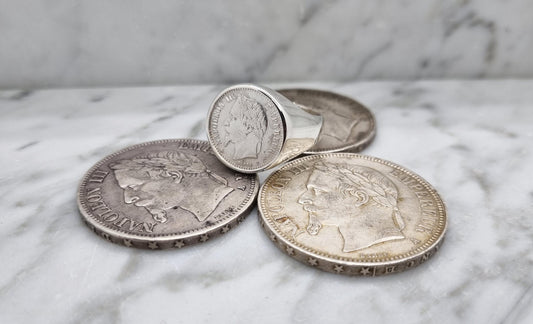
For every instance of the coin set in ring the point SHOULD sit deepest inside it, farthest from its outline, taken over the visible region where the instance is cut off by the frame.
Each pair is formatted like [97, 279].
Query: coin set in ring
[325, 205]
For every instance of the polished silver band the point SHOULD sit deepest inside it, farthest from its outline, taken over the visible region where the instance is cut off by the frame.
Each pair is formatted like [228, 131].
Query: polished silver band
[253, 128]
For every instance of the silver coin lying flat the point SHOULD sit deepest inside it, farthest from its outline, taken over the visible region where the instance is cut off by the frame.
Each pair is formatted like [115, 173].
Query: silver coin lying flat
[348, 126]
[352, 214]
[164, 194]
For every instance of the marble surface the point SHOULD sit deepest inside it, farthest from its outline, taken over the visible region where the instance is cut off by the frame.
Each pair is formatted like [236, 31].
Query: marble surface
[472, 140]
[102, 43]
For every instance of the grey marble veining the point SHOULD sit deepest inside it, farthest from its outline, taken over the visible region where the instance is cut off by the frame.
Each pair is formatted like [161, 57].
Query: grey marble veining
[472, 140]
[101, 43]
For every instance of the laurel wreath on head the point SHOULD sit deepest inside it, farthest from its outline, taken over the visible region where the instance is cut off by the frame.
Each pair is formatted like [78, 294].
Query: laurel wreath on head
[251, 114]
[377, 190]
[167, 164]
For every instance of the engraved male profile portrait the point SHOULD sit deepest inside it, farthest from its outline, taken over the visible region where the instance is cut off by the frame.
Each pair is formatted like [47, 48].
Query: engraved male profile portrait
[360, 201]
[244, 128]
[170, 180]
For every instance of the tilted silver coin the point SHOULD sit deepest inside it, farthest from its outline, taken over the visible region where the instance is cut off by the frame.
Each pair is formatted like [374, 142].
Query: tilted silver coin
[164, 194]
[352, 214]
[253, 128]
[348, 126]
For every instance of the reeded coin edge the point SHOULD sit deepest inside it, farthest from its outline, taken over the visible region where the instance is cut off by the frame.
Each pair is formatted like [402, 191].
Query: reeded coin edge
[186, 237]
[208, 127]
[407, 260]
[353, 147]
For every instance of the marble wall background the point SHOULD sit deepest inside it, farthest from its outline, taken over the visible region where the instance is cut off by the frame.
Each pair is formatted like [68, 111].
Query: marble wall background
[60, 43]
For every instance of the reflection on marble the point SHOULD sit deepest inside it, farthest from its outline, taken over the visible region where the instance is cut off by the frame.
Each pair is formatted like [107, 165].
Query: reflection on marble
[472, 140]
[102, 43]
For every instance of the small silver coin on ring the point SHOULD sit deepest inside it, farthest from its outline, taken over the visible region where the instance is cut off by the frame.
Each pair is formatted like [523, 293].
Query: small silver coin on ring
[253, 128]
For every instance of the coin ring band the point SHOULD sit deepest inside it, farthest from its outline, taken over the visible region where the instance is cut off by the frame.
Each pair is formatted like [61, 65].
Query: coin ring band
[296, 132]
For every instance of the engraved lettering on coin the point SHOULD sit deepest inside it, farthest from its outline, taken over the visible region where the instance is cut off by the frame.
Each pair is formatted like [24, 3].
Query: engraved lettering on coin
[347, 126]
[352, 211]
[164, 194]
[245, 129]
[160, 181]
[361, 202]
[246, 122]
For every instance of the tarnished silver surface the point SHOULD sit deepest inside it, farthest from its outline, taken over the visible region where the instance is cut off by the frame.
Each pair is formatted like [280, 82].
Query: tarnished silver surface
[164, 194]
[253, 128]
[348, 126]
[352, 214]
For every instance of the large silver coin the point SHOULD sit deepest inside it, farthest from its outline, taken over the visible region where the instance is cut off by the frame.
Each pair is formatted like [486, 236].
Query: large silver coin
[348, 126]
[164, 194]
[253, 128]
[352, 214]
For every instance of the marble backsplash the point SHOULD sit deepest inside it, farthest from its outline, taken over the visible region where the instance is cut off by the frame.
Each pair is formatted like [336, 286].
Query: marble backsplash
[101, 43]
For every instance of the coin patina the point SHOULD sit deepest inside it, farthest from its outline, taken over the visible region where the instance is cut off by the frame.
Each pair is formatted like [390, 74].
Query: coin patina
[352, 214]
[164, 194]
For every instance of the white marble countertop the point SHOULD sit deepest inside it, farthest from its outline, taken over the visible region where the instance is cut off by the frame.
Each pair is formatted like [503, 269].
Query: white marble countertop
[472, 140]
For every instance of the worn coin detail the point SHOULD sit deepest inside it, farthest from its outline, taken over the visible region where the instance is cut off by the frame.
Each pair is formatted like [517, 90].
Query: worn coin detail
[252, 128]
[164, 194]
[348, 126]
[352, 214]
[245, 129]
